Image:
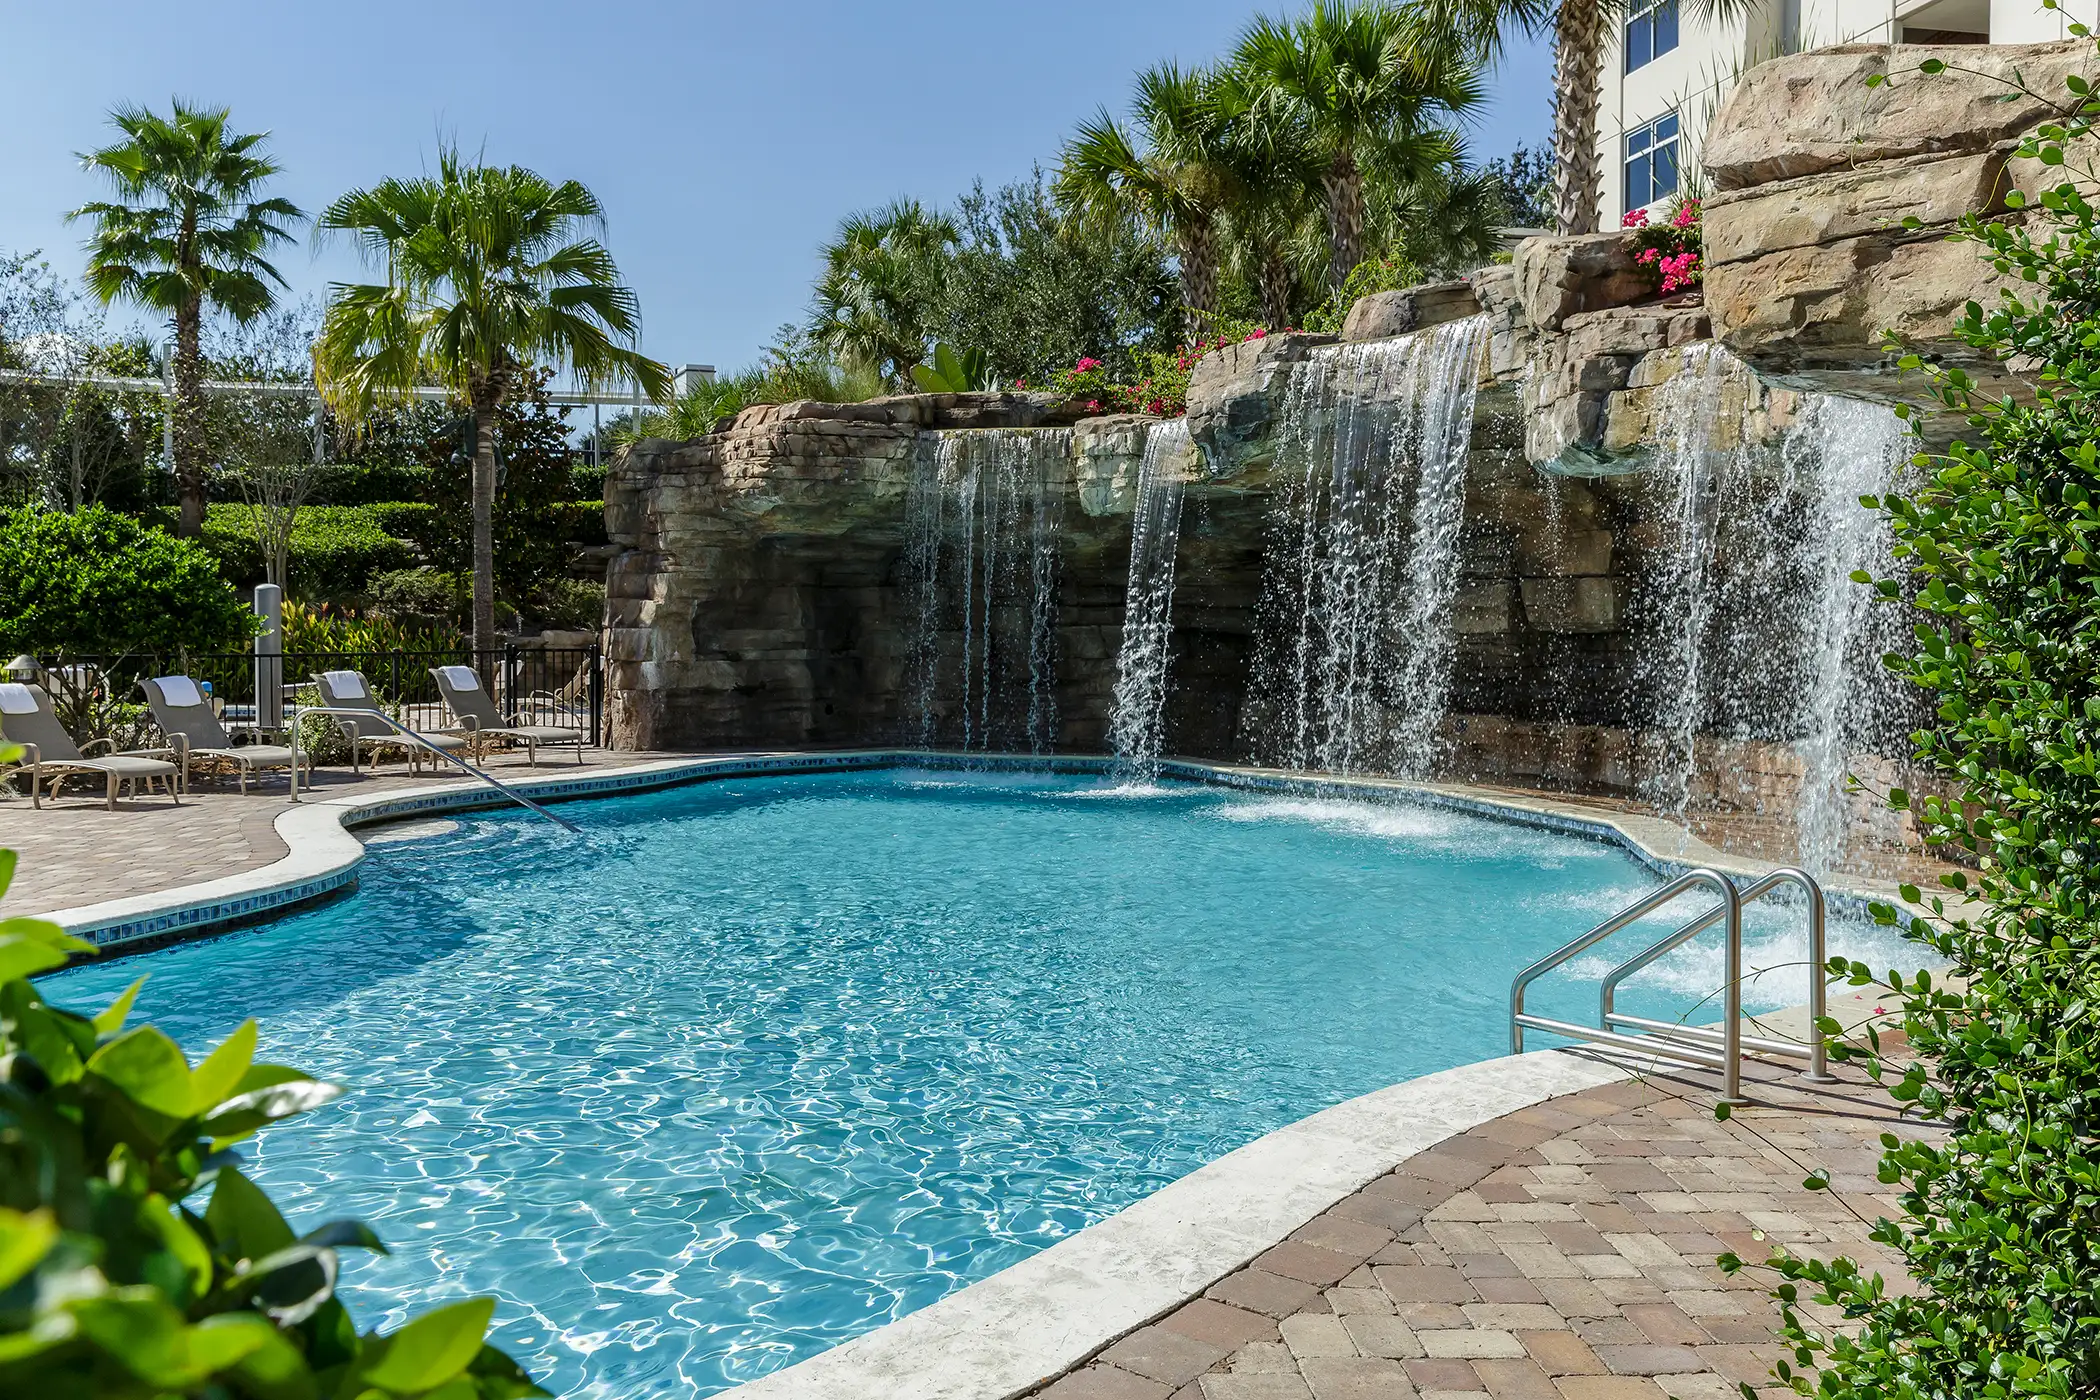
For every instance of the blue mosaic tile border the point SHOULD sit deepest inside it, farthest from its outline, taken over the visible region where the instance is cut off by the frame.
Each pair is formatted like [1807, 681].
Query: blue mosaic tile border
[212, 915]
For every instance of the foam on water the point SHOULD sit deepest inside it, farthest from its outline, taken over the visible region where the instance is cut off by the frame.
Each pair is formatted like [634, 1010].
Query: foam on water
[767, 1063]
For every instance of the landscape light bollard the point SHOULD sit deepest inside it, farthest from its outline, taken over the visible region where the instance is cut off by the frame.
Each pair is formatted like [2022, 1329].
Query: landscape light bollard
[269, 658]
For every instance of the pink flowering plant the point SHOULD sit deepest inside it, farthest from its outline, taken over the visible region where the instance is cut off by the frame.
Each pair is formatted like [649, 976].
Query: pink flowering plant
[1161, 387]
[1669, 249]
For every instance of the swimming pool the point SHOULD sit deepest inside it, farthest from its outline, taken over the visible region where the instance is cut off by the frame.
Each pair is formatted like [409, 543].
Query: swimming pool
[764, 1063]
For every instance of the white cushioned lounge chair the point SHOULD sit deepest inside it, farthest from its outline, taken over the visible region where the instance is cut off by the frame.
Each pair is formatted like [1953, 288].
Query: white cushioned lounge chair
[483, 724]
[350, 691]
[26, 718]
[187, 719]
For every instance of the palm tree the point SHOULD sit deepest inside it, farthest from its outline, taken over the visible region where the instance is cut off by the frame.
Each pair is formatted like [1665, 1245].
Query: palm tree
[185, 234]
[490, 272]
[880, 289]
[1364, 85]
[1178, 186]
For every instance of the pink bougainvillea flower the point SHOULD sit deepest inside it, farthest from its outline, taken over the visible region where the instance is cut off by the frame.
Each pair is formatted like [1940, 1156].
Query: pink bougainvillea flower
[1021, 383]
[1257, 334]
[1647, 255]
[1686, 217]
[1086, 363]
[1093, 405]
[1635, 218]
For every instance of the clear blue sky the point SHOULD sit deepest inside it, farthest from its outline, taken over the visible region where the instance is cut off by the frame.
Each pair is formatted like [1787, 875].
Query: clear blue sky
[725, 140]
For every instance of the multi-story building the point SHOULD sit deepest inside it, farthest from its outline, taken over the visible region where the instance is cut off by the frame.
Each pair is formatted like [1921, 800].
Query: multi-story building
[1667, 69]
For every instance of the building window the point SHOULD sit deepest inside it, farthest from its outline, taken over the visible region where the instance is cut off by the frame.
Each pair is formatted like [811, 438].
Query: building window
[1651, 161]
[1651, 31]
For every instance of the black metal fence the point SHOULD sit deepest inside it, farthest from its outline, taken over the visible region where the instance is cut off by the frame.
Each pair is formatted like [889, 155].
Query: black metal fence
[559, 686]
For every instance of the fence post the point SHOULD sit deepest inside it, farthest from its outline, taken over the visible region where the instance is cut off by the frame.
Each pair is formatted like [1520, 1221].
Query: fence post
[509, 704]
[269, 657]
[597, 695]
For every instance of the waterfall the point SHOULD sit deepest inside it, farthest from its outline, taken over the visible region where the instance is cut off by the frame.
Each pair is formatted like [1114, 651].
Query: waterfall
[981, 556]
[1752, 627]
[1137, 723]
[1846, 449]
[1690, 458]
[1353, 658]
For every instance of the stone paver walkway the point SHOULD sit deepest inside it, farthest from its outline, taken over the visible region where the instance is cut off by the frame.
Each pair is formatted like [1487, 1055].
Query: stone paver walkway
[1565, 1252]
[77, 851]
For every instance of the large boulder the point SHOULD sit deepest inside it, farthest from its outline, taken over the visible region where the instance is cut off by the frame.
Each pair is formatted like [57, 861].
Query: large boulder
[1561, 277]
[1385, 314]
[1810, 271]
[1236, 399]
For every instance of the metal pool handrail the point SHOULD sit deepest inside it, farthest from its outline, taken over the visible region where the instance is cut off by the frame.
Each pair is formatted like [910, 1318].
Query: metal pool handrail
[1728, 1060]
[1816, 1051]
[348, 712]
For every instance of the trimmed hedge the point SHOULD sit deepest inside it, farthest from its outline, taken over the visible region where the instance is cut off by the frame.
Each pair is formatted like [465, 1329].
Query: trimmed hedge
[336, 550]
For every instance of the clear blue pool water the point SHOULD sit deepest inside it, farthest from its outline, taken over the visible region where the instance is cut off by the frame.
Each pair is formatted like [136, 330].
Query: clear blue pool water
[763, 1064]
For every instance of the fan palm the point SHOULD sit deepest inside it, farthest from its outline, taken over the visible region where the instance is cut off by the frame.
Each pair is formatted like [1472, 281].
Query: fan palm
[1364, 85]
[881, 287]
[1177, 186]
[186, 234]
[490, 271]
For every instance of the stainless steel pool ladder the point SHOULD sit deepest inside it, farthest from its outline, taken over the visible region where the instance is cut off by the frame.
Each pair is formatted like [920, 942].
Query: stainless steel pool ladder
[349, 712]
[1713, 1047]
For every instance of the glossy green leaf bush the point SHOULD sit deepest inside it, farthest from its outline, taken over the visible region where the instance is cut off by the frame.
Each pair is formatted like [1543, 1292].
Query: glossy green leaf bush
[2000, 1226]
[137, 1260]
[94, 582]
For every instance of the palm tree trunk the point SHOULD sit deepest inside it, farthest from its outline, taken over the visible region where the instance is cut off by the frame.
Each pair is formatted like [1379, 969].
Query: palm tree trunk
[1578, 57]
[1275, 289]
[1344, 186]
[192, 428]
[483, 398]
[1197, 247]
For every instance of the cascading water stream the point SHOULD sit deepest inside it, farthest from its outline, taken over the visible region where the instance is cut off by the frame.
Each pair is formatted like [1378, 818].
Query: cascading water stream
[1755, 629]
[1676, 656]
[982, 557]
[1852, 449]
[1137, 723]
[1353, 663]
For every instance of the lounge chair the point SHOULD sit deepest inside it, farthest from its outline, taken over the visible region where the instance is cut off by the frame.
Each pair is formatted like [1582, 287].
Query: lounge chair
[186, 717]
[26, 718]
[349, 690]
[482, 723]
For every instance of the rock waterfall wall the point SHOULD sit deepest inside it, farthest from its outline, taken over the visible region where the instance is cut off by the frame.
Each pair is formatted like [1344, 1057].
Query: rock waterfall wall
[1648, 509]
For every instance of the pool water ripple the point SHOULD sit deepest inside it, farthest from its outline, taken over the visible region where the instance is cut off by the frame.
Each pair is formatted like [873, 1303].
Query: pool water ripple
[762, 1064]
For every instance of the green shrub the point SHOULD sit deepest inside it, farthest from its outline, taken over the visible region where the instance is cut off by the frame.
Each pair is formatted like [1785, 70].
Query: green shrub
[424, 595]
[116, 1281]
[569, 604]
[336, 550]
[1370, 277]
[95, 582]
[1998, 1225]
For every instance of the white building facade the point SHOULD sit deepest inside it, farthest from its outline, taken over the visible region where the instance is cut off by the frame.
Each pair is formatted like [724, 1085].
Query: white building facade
[1666, 70]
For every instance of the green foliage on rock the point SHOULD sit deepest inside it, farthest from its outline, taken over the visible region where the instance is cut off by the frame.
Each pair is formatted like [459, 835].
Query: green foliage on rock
[118, 1279]
[94, 582]
[954, 373]
[1998, 542]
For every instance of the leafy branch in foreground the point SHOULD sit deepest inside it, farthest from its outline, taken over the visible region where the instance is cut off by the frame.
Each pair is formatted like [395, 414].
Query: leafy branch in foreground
[114, 1284]
[2000, 1226]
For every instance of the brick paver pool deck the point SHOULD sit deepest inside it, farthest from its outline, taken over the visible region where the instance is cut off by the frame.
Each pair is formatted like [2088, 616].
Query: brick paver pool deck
[1563, 1252]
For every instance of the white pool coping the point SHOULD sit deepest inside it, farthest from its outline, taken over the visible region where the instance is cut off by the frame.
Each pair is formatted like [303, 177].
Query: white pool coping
[1035, 1320]
[322, 854]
